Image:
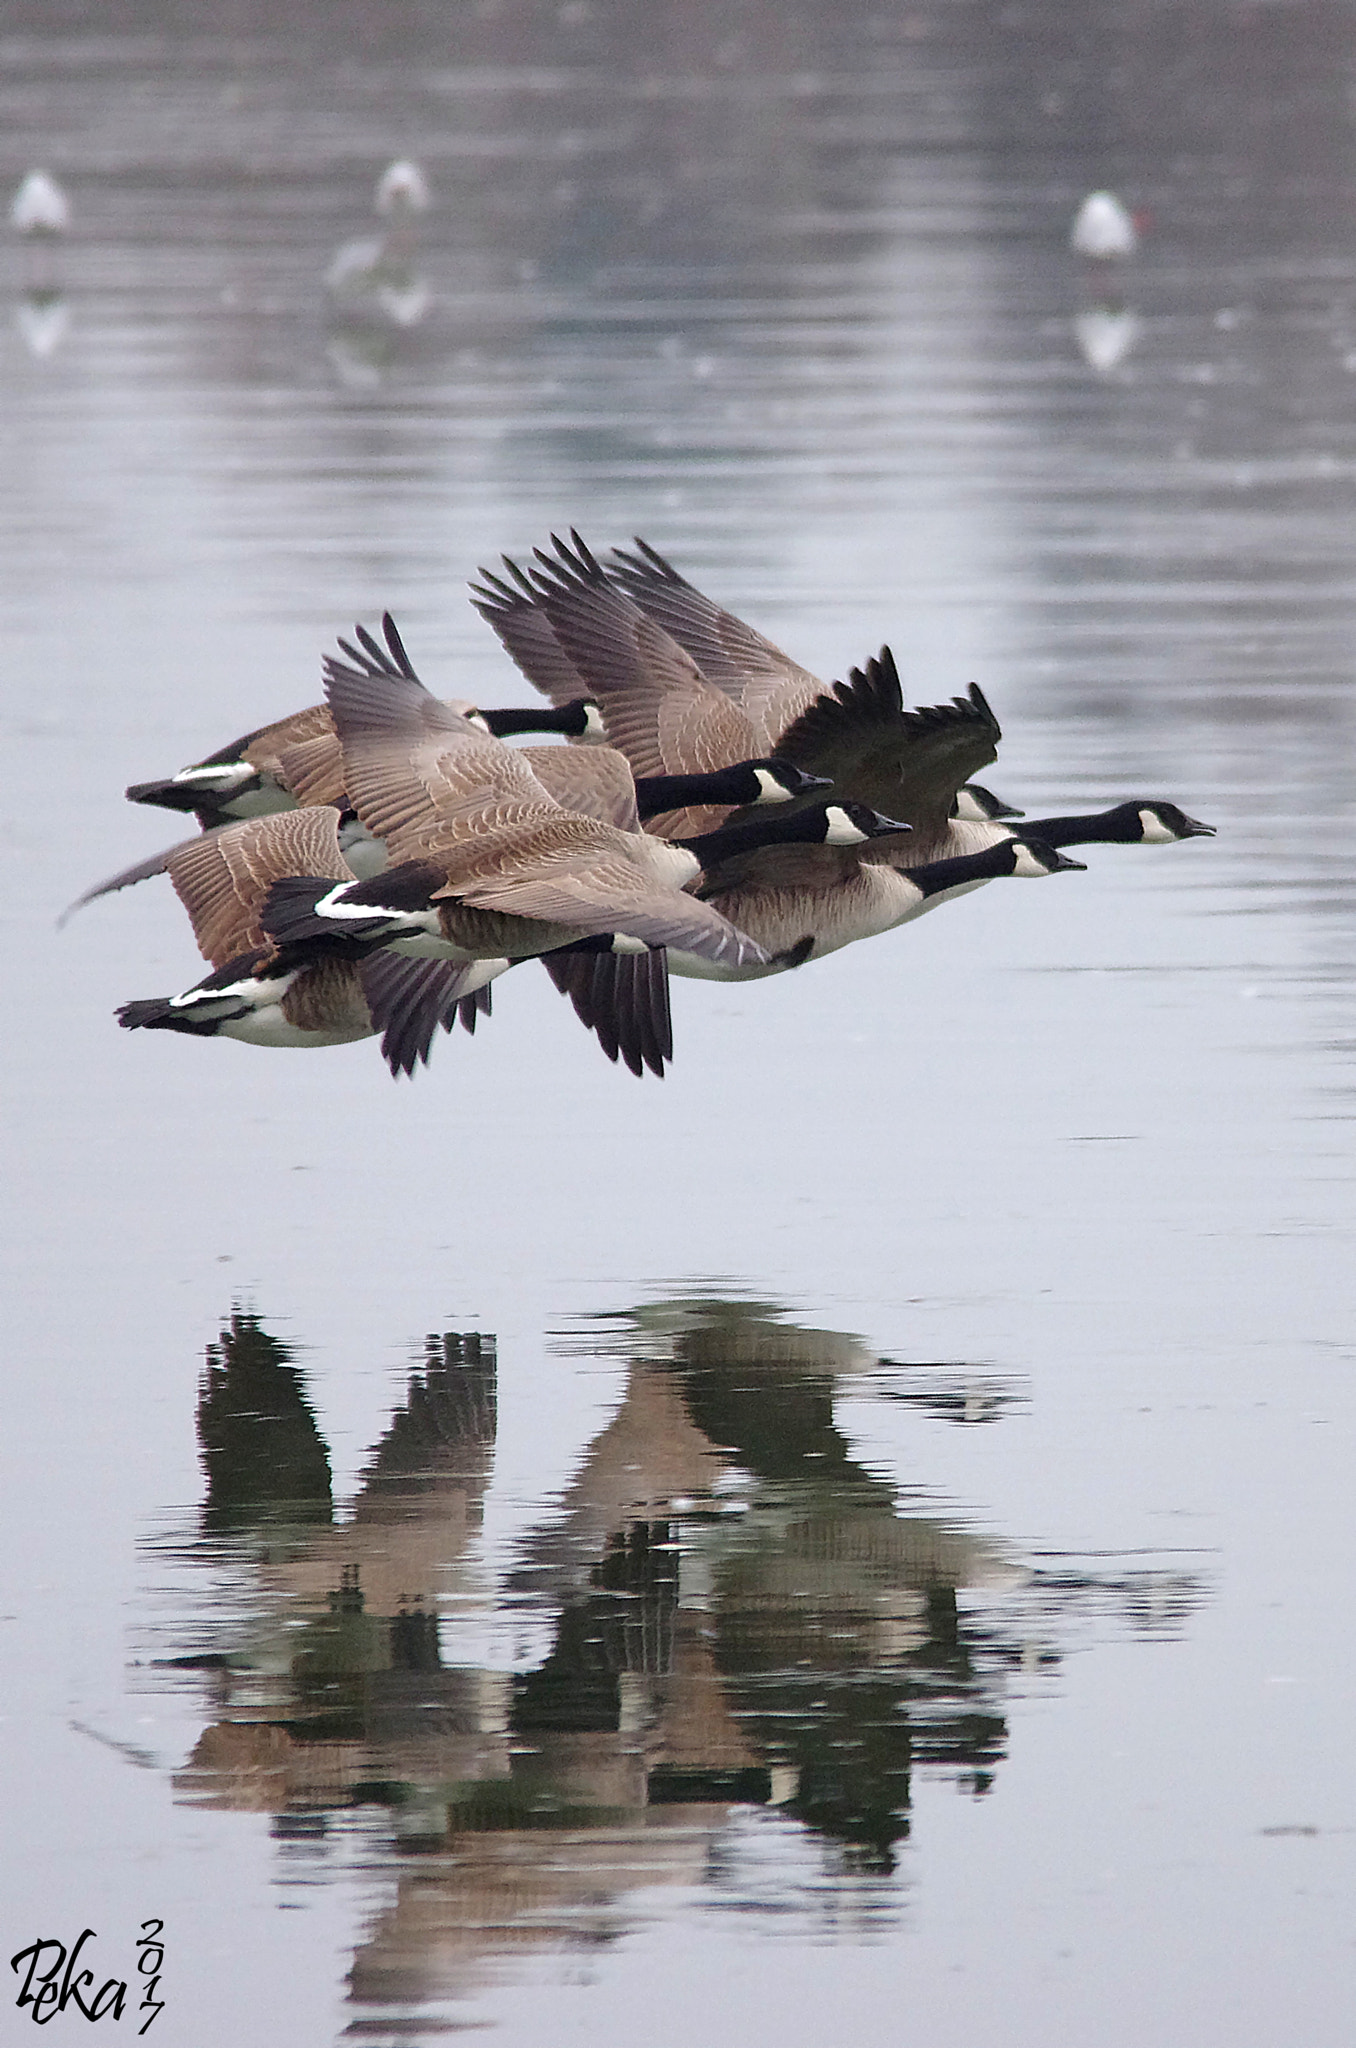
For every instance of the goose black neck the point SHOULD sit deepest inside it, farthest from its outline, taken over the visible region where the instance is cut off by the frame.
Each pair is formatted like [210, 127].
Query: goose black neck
[774, 830]
[936, 875]
[1092, 826]
[658, 793]
[570, 720]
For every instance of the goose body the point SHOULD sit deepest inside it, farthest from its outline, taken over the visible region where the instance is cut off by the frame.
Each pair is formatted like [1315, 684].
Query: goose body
[484, 860]
[262, 997]
[803, 910]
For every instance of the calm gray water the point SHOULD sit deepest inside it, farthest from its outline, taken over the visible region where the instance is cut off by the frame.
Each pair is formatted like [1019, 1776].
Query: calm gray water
[853, 1542]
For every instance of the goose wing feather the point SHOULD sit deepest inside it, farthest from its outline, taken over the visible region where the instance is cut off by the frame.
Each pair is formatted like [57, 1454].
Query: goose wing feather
[769, 687]
[623, 998]
[418, 773]
[657, 706]
[512, 609]
[608, 896]
[908, 764]
[140, 871]
[410, 1000]
[223, 877]
[596, 781]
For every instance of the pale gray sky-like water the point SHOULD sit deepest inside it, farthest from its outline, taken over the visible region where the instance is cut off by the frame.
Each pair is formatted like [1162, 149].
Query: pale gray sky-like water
[851, 1542]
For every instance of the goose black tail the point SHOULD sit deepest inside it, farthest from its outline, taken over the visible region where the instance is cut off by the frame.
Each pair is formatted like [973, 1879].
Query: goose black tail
[289, 917]
[156, 1013]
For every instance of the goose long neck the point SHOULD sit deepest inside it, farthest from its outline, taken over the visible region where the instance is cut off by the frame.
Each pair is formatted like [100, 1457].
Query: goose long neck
[776, 830]
[570, 720]
[937, 875]
[659, 793]
[1084, 830]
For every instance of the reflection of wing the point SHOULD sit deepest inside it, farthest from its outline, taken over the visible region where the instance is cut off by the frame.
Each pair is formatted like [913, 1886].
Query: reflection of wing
[260, 1444]
[769, 688]
[447, 1426]
[908, 764]
[223, 878]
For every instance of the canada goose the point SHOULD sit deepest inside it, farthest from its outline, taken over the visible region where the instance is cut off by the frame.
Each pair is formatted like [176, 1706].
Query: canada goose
[734, 658]
[263, 770]
[683, 685]
[263, 997]
[1103, 229]
[801, 910]
[484, 861]
[910, 765]
[1149, 823]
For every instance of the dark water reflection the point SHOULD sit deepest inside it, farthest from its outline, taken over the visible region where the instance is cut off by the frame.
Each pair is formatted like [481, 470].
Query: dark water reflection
[734, 1616]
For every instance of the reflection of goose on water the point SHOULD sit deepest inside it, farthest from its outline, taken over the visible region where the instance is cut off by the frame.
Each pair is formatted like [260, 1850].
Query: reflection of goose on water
[1106, 334]
[724, 1608]
[41, 213]
[377, 276]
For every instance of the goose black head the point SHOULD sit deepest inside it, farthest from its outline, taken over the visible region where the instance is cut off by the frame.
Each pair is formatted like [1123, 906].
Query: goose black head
[1159, 824]
[1033, 857]
[768, 782]
[975, 805]
[851, 824]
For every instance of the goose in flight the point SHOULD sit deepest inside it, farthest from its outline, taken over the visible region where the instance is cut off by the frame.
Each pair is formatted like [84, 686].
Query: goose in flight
[262, 996]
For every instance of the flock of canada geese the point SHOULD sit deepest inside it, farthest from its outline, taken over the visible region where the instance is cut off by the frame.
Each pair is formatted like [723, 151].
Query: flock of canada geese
[368, 866]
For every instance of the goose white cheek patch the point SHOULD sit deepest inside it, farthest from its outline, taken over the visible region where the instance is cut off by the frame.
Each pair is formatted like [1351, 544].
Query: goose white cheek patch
[1153, 831]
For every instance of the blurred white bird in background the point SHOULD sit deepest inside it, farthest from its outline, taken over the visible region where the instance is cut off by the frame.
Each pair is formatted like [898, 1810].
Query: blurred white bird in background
[40, 212]
[377, 278]
[40, 206]
[1103, 229]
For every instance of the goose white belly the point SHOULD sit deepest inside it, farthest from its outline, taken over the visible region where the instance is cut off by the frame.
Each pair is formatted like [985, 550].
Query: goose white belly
[268, 1026]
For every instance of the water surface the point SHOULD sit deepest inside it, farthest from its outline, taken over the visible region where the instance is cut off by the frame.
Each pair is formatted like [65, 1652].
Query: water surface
[858, 1529]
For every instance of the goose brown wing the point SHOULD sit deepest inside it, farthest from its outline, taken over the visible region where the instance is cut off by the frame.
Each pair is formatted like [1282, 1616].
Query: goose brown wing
[140, 871]
[312, 770]
[769, 688]
[623, 998]
[262, 749]
[410, 1000]
[607, 895]
[658, 708]
[908, 764]
[593, 780]
[512, 609]
[419, 774]
[222, 878]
